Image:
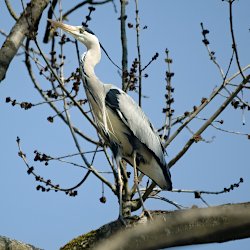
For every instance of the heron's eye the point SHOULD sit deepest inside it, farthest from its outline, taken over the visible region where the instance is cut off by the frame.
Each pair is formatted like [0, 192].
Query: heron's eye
[81, 30]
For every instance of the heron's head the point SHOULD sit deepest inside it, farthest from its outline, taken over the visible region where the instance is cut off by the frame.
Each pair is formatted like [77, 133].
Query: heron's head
[80, 33]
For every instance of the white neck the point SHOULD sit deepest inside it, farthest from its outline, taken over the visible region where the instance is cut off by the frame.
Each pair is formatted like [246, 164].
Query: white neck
[90, 59]
[93, 85]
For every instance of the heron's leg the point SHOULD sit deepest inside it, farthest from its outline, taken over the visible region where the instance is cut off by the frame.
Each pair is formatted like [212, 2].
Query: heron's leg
[120, 186]
[137, 185]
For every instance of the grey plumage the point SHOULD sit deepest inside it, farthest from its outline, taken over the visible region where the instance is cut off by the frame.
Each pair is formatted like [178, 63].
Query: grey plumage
[140, 136]
[120, 121]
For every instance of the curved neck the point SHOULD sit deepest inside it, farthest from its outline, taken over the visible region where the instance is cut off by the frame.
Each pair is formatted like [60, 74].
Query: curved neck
[93, 86]
[90, 59]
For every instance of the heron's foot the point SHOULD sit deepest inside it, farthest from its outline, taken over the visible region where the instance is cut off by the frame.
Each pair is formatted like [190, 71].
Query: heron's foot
[122, 220]
[126, 220]
[147, 214]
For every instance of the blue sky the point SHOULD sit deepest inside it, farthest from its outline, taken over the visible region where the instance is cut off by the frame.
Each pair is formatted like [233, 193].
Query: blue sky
[50, 220]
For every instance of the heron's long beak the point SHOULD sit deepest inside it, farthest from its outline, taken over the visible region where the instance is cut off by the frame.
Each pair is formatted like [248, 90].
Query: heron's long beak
[68, 28]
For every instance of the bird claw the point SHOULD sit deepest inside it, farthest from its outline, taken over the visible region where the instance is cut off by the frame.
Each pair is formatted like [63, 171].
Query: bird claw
[126, 220]
[147, 214]
[122, 220]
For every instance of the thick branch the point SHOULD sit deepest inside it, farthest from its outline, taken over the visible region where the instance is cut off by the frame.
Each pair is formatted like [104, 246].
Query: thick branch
[27, 21]
[177, 228]
[7, 243]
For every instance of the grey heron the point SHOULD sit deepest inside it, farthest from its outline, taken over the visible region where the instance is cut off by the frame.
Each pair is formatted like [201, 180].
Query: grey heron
[120, 121]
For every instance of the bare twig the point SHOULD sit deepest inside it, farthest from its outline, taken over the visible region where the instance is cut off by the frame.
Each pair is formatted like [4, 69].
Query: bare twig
[66, 14]
[137, 20]
[229, 131]
[11, 10]
[91, 2]
[209, 121]
[123, 18]
[211, 53]
[63, 88]
[90, 167]
[203, 105]
[157, 197]
[234, 45]
[47, 182]
[75, 154]
[37, 86]
[197, 193]
[169, 99]
[48, 25]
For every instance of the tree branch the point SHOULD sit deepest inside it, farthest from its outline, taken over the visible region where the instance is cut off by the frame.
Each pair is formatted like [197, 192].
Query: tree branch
[124, 44]
[183, 227]
[209, 121]
[67, 13]
[28, 21]
[168, 229]
[234, 45]
[138, 50]
[91, 2]
[11, 10]
[47, 100]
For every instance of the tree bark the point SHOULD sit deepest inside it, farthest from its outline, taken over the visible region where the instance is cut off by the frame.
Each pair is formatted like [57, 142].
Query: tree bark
[27, 22]
[171, 228]
[10, 244]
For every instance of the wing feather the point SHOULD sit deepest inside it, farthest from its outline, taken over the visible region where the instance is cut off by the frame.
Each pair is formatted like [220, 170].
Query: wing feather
[136, 120]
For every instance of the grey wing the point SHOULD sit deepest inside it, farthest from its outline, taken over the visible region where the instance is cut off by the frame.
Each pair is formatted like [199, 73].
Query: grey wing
[135, 119]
